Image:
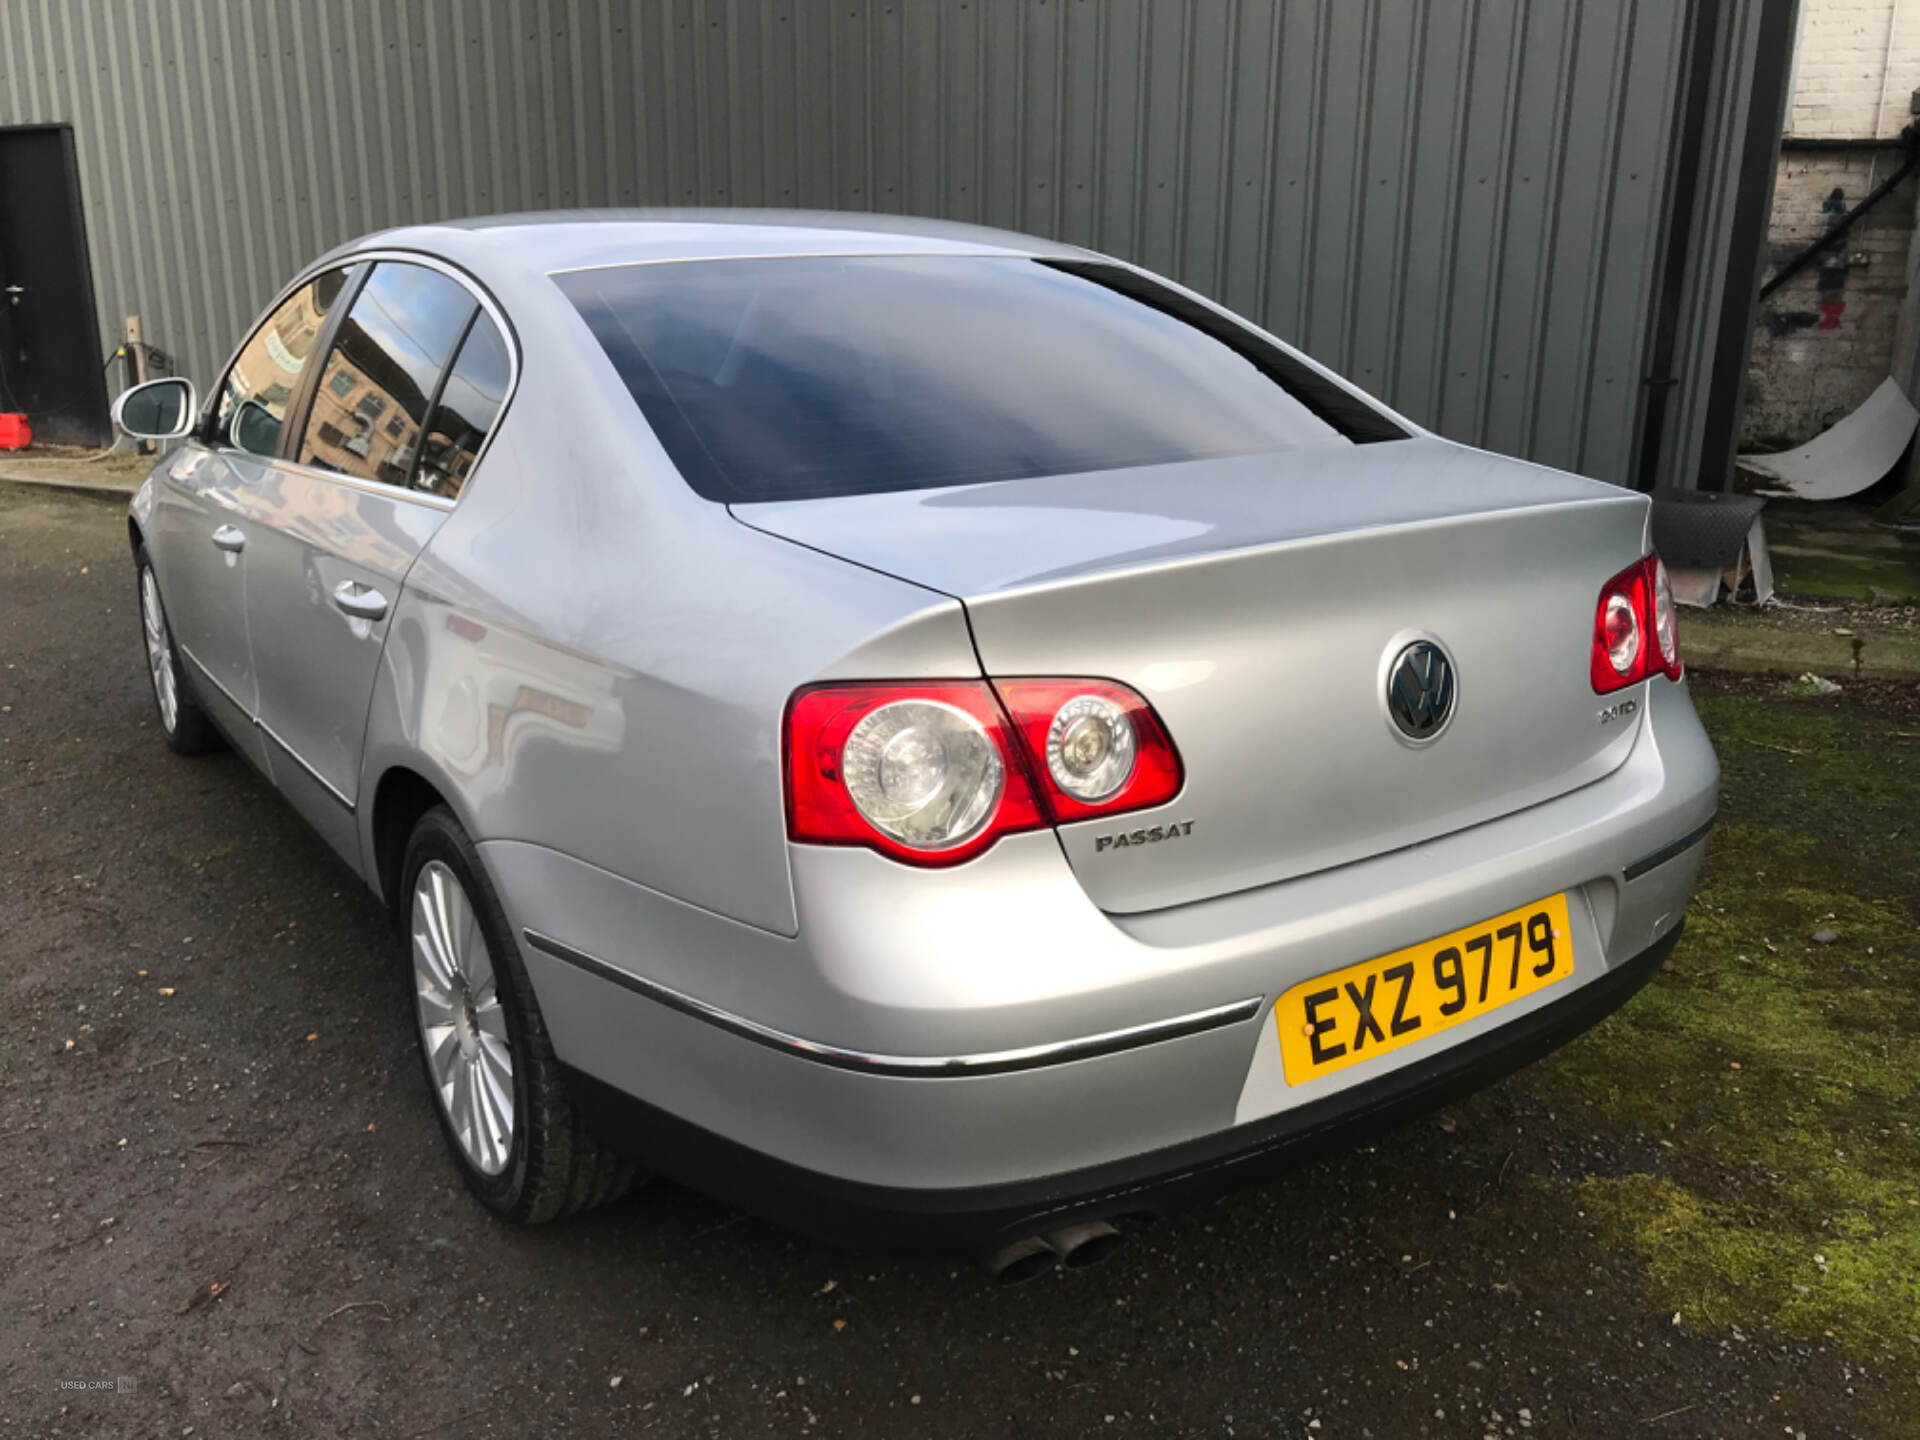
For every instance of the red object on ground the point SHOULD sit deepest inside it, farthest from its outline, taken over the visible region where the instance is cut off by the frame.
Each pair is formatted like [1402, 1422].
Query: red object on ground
[15, 433]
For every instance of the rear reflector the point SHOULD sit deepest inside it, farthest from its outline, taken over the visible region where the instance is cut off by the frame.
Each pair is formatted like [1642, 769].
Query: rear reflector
[933, 772]
[1634, 636]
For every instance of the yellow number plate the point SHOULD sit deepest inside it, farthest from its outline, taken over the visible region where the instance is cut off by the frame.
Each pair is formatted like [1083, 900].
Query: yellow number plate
[1379, 1005]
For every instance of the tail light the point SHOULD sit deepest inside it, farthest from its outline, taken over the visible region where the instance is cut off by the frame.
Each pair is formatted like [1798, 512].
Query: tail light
[1634, 635]
[925, 773]
[1096, 747]
[933, 773]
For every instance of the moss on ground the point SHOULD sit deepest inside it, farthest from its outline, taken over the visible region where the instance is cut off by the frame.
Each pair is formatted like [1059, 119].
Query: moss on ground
[1837, 550]
[1739, 1147]
[1770, 1078]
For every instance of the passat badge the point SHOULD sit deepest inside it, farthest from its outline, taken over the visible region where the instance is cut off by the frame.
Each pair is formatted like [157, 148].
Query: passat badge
[1152, 835]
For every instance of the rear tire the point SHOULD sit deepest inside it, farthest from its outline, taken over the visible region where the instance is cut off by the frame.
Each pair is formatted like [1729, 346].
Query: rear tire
[187, 729]
[498, 1089]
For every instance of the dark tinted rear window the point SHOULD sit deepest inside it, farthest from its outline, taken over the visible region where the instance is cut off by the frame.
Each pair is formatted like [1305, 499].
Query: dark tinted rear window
[788, 378]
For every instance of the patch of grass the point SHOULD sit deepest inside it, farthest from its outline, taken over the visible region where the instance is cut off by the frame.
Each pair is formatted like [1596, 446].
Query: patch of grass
[1767, 1087]
[1778, 1075]
[195, 857]
[1836, 551]
[1890, 577]
[1723, 1267]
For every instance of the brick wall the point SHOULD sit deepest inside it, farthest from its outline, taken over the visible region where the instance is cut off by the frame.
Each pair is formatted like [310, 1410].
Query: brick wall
[1825, 339]
[1850, 54]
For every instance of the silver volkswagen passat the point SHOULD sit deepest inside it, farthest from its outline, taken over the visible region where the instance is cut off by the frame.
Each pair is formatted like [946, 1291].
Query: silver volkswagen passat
[932, 735]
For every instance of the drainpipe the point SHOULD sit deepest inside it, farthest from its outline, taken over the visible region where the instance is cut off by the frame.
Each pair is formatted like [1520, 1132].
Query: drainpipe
[1910, 142]
[1886, 73]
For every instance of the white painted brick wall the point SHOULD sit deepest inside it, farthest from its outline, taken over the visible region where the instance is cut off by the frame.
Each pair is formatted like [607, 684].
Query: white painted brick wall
[1850, 53]
[1827, 337]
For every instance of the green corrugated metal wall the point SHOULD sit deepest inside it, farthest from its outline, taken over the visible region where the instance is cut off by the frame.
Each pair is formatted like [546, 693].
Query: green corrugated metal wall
[1460, 203]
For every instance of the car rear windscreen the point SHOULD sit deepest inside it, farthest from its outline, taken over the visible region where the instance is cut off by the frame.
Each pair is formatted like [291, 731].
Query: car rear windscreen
[797, 377]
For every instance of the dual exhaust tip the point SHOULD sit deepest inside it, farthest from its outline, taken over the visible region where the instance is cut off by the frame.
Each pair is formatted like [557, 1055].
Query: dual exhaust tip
[1074, 1246]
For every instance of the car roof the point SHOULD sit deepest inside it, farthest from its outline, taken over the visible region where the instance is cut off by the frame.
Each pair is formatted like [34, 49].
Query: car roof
[560, 240]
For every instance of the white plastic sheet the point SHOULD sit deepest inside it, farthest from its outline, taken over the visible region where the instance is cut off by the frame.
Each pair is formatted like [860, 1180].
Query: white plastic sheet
[1854, 455]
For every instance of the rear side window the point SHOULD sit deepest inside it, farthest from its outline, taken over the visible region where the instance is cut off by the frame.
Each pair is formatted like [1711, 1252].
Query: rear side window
[812, 376]
[469, 403]
[381, 374]
[256, 392]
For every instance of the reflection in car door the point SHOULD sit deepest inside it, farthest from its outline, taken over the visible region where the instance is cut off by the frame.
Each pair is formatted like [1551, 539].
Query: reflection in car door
[199, 530]
[335, 528]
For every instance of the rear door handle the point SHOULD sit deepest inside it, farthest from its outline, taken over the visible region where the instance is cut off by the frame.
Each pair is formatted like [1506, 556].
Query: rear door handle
[230, 538]
[362, 602]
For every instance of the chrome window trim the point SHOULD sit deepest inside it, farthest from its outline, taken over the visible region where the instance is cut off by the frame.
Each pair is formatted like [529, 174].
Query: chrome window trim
[488, 305]
[376, 487]
[280, 298]
[922, 1067]
[814, 255]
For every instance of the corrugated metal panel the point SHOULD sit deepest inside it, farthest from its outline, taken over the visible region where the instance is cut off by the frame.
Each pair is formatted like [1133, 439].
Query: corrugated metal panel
[1456, 202]
[1721, 285]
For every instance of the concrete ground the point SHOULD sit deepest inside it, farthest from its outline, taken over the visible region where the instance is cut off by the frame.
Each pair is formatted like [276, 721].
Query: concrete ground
[68, 468]
[222, 1181]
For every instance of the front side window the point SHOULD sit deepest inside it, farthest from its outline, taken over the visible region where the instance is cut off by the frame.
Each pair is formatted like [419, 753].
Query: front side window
[254, 397]
[469, 403]
[383, 368]
[779, 379]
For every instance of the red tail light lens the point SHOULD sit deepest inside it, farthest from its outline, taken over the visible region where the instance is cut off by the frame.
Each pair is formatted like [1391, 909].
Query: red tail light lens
[1666, 629]
[933, 773]
[1634, 635]
[1095, 746]
[926, 773]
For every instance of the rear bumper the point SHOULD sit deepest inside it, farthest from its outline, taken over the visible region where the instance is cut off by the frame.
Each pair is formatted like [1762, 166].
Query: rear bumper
[943, 1043]
[980, 1219]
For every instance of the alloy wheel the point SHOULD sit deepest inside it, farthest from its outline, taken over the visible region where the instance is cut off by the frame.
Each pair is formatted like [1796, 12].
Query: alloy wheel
[153, 620]
[463, 1027]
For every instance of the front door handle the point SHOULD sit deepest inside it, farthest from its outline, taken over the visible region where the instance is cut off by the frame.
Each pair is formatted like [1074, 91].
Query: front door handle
[230, 538]
[362, 602]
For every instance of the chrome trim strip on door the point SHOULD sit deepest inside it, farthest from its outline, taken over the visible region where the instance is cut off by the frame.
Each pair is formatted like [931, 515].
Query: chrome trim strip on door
[265, 729]
[996, 1062]
[294, 755]
[209, 677]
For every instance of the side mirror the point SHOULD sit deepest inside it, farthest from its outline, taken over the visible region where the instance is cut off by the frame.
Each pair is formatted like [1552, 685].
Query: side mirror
[255, 429]
[157, 410]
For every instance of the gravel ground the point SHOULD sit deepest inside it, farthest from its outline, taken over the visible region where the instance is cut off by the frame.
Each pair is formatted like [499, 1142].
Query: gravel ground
[221, 1180]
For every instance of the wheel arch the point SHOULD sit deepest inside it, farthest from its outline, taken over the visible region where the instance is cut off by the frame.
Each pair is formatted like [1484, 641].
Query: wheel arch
[401, 797]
